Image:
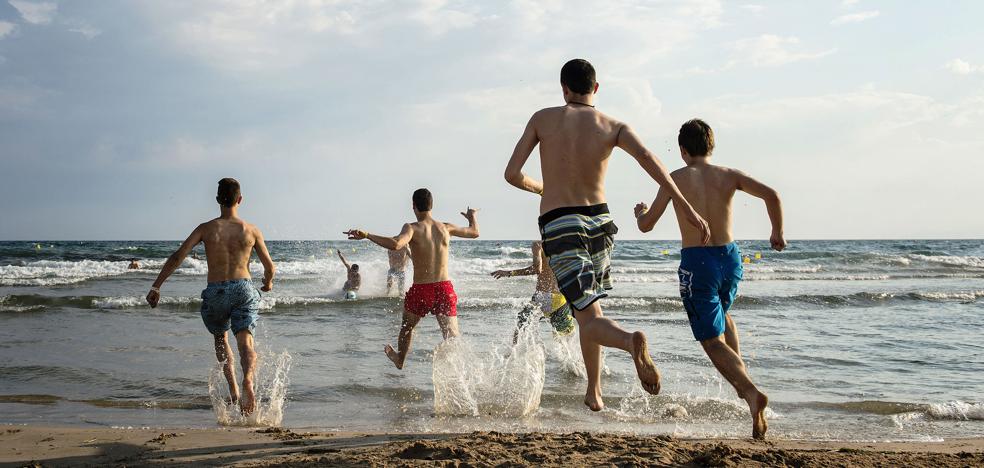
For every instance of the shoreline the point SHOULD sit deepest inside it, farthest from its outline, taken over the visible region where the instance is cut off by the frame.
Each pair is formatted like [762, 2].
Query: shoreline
[50, 445]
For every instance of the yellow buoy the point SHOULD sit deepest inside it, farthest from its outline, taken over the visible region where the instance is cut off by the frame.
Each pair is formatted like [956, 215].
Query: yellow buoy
[746, 260]
[37, 246]
[758, 255]
[666, 252]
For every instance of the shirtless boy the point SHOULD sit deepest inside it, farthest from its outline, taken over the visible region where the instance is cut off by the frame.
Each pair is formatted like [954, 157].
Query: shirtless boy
[397, 274]
[353, 280]
[709, 276]
[230, 300]
[546, 297]
[577, 230]
[432, 291]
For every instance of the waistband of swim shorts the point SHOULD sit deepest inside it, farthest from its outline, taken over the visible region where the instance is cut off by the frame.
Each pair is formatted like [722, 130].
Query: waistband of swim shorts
[229, 282]
[592, 210]
[725, 249]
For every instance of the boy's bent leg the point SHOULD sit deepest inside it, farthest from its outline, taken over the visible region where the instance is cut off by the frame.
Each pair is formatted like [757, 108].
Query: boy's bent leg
[449, 326]
[406, 337]
[730, 365]
[731, 334]
[595, 331]
[247, 357]
[223, 353]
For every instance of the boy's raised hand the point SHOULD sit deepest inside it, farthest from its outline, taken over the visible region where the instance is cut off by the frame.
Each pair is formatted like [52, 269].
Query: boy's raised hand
[355, 234]
[641, 209]
[777, 241]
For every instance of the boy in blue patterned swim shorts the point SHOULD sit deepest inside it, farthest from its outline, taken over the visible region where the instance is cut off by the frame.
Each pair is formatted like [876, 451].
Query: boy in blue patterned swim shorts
[709, 275]
[230, 301]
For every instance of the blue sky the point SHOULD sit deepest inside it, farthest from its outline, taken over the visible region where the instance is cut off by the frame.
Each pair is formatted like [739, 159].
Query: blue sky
[118, 117]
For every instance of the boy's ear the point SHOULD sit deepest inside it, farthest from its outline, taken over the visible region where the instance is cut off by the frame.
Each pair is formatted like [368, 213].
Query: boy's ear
[239, 200]
[596, 88]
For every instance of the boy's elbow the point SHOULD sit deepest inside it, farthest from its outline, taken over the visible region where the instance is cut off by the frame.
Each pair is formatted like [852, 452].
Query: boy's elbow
[512, 176]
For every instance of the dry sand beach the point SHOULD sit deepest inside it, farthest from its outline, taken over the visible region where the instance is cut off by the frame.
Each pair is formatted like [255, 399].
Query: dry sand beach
[76, 446]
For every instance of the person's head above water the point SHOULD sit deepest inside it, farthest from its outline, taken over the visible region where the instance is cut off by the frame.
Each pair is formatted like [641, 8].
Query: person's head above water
[228, 194]
[355, 267]
[423, 201]
[696, 140]
[577, 78]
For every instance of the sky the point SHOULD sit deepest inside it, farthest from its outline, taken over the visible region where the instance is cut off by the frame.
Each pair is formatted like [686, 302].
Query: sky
[118, 117]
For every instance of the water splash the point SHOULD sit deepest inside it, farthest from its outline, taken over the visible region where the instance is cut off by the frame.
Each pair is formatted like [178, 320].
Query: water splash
[499, 383]
[271, 392]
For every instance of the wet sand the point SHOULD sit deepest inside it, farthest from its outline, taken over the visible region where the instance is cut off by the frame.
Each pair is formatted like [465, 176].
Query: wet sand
[77, 446]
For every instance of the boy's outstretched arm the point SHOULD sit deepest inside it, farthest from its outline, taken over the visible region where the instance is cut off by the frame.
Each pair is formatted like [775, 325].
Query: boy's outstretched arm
[342, 257]
[514, 170]
[392, 243]
[773, 205]
[268, 268]
[470, 232]
[172, 263]
[630, 143]
[535, 269]
[647, 217]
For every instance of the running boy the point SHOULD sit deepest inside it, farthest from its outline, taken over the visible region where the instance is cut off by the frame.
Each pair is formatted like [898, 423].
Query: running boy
[709, 275]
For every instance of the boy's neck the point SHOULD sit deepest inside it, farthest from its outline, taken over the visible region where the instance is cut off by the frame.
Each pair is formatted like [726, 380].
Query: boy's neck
[423, 215]
[699, 161]
[228, 212]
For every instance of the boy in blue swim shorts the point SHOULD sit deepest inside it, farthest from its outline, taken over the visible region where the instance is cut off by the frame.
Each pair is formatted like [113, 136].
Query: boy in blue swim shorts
[230, 301]
[709, 275]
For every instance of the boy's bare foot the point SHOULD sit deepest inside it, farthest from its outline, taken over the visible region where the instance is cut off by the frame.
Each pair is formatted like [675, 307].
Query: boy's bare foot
[393, 356]
[648, 374]
[757, 406]
[593, 401]
[247, 404]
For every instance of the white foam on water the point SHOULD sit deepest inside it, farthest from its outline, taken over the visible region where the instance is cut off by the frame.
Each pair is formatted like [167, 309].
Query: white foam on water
[567, 351]
[957, 410]
[271, 392]
[968, 296]
[497, 384]
[951, 260]
[640, 406]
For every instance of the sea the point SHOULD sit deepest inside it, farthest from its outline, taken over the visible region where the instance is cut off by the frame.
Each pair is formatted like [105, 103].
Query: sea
[870, 340]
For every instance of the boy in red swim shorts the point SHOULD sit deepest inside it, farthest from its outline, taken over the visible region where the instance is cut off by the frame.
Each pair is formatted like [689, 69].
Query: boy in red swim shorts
[432, 291]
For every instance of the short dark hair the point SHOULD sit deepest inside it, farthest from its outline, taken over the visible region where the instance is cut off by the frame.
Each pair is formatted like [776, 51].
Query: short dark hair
[578, 75]
[355, 266]
[696, 137]
[228, 193]
[423, 200]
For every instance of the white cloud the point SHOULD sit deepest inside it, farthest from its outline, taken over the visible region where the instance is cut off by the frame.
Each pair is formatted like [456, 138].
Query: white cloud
[85, 29]
[754, 9]
[35, 12]
[848, 3]
[6, 28]
[961, 67]
[855, 17]
[769, 50]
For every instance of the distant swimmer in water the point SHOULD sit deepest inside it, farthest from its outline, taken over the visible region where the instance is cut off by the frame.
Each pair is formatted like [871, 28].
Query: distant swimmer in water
[397, 274]
[546, 297]
[354, 280]
[432, 291]
[709, 275]
[230, 300]
[134, 265]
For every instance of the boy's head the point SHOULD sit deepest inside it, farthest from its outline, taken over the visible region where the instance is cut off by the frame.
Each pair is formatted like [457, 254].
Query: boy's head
[355, 267]
[578, 77]
[228, 194]
[423, 201]
[696, 139]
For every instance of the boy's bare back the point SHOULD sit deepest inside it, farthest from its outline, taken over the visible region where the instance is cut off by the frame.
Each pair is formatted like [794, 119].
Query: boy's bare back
[709, 189]
[429, 251]
[228, 245]
[575, 144]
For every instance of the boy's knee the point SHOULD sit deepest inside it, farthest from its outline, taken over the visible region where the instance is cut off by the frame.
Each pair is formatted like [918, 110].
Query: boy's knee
[712, 344]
